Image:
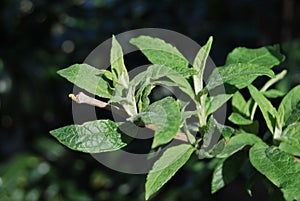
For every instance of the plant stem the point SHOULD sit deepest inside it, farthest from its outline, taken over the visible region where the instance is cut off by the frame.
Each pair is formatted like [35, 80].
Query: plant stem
[202, 115]
[268, 84]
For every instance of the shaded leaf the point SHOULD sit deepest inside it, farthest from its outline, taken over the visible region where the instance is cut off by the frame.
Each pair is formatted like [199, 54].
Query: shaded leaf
[279, 167]
[212, 132]
[226, 171]
[90, 137]
[166, 166]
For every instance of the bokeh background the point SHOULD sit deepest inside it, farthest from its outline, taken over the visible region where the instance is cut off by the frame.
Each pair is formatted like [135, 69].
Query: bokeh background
[39, 37]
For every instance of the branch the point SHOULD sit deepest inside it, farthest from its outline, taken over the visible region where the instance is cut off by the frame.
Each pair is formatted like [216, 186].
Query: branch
[83, 98]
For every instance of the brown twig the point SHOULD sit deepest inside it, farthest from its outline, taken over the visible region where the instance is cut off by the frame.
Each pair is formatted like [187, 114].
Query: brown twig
[297, 159]
[83, 98]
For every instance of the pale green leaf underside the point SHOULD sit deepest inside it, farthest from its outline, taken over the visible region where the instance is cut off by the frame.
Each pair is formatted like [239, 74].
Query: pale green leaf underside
[166, 166]
[290, 139]
[279, 167]
[213, 103]
[199, 65]
[88, 78]
[265, 56]
[159, 52]
[90, 137]
[290, 106]
[166, 116]
[239, 75]
[117, 64]
[155, 75]
[266, 107]
[237, 143]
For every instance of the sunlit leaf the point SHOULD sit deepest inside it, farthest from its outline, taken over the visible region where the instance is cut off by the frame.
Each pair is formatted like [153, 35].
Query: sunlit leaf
[90, 137]
[239, 75]
[237, 143]
[88, 78]
[117, 64]
[266, 107]
[199, 65]
[290, 139]
[166, 166]
[290, 107]
[238, 119]
[159, 52]
[165, 115]
[268, 56]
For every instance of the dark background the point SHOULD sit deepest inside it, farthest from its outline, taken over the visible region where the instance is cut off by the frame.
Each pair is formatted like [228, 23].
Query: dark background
[39, 37]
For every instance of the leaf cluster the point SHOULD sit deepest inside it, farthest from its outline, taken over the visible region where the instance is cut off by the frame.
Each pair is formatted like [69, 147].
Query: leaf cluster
[274, 155]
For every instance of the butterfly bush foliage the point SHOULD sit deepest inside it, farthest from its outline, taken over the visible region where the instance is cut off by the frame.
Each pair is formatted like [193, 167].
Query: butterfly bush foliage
[274, 155]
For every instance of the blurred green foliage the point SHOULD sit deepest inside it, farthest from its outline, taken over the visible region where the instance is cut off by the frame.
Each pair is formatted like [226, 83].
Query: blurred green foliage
[39, 37]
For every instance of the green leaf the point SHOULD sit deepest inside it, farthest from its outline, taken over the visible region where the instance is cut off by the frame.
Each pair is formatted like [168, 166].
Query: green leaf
[290, 148]
[268, 56]
[166, 116]
[266, 107]
[237, 143]
[226, 131]
[123, 94]
[290, 139]
[239, 75]
[238, 119]
[210, 138]
[117, 64]
[199, 65]
[213, 103]
[142, 97]
[125, 97]
[154, 75]
[166, 166]
[290, 107]
[279, 167]
[212, 132]
[88, 78]
[159, 52]
[226, 171]
[240, 105]
[273, 93]
[90, 137]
